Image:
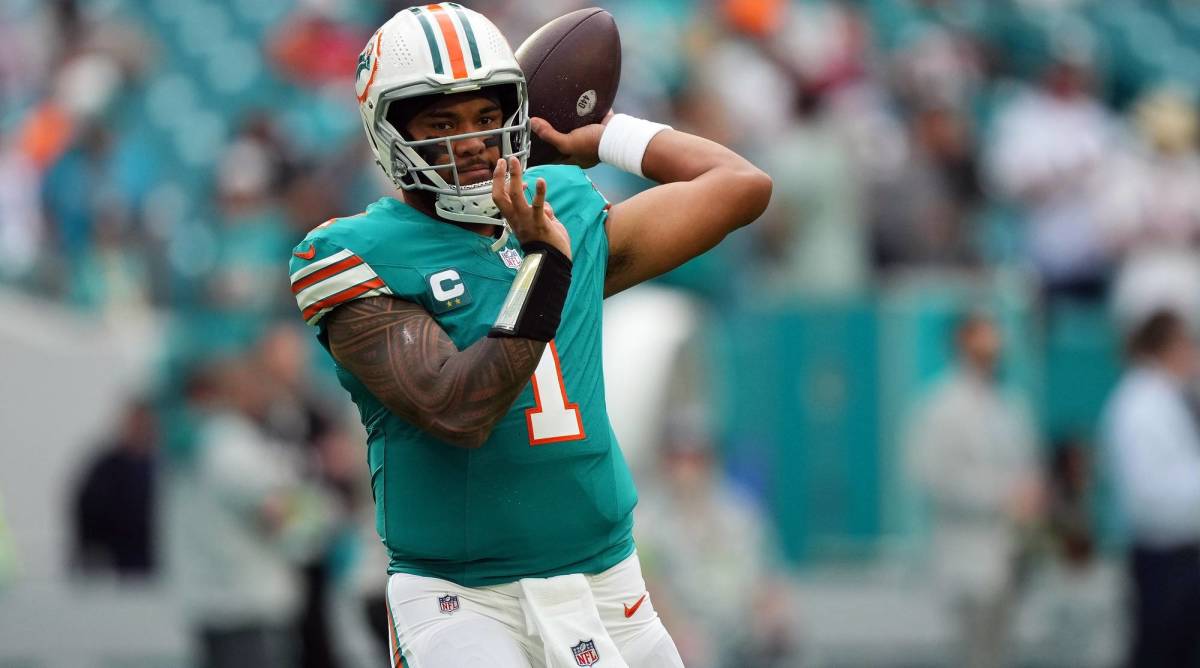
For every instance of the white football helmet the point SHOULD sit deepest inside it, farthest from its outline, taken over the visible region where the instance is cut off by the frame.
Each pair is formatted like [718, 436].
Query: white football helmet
[430, 50]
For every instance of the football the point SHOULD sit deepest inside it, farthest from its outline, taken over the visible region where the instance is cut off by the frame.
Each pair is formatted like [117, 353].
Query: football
[572, 66]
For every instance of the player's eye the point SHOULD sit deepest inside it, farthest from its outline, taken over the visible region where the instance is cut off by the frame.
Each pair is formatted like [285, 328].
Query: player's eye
[442, 126]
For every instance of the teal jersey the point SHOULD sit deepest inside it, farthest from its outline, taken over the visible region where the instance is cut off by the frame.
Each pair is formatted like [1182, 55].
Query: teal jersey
[549, 492]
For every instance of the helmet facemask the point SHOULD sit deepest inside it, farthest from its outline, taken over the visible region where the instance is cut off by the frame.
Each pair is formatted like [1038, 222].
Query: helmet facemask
[414, 164]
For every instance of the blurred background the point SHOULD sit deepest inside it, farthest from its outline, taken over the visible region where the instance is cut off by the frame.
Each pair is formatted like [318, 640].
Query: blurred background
[879, 427]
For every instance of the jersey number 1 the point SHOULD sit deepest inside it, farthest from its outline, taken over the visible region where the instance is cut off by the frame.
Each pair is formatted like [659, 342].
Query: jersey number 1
[552, 418]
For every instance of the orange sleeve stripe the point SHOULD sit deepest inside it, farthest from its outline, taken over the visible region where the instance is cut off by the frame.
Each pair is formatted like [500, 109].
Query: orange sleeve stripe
[343, 296]
[458, 65]
[322, 274]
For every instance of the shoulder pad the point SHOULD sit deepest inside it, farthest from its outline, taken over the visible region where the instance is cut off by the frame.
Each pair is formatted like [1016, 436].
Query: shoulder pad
[327, 269]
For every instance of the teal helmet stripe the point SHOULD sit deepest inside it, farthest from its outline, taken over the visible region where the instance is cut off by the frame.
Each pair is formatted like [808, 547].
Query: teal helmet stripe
[429, 36]
[466, 26]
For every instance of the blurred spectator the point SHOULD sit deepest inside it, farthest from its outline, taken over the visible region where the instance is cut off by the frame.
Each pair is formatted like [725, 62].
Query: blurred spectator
[1047, 154]
[922, 208]
[83, 89]
[1080, 602]
[252, 167]
[921, 215]
[90, 210]
[1154, 204]
[240, 518]
[706, 550]
[1154, 200]
[298, 417]
[768, 636]
[937, 67]
[112, 277]
[115, 509]
[1069, 506]
[296, 413]
[1158, 278]
[750, 63]
[21, 226]
[974, 451]
[370, 586]
[1151, 427]
[247, 290]
[312, 47]
[813, 234]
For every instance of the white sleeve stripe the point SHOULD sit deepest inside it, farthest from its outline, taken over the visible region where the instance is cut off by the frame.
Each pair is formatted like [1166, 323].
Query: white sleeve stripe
[334, 284]
[385, 290]
[321, 264]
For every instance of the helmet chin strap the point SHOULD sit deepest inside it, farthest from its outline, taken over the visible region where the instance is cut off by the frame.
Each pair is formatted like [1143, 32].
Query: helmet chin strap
[478, 208]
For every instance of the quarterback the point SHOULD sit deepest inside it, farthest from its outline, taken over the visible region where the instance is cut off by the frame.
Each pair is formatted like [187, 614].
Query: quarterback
[464, 320]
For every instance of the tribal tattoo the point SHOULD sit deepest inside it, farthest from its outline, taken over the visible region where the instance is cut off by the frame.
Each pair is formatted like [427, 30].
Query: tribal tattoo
[401, 354]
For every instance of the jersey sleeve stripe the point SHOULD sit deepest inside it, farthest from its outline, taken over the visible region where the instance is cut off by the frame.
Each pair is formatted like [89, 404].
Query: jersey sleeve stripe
[321, 264]
[335, 284]
[316, 317]
[376, 285]
[324, 273]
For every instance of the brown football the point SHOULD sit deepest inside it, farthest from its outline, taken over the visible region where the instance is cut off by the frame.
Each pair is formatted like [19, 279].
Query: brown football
[572, 66]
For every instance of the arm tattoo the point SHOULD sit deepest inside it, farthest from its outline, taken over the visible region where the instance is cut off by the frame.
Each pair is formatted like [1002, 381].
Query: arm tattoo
[407, 361]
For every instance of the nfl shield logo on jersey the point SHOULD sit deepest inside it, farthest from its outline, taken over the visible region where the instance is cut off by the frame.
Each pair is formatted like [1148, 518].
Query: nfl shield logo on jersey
[448, 604]
[512, 259]
[585, 653]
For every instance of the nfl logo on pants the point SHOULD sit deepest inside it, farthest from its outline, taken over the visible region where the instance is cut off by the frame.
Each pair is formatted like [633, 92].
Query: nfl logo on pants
[585, 653]
[448, 603]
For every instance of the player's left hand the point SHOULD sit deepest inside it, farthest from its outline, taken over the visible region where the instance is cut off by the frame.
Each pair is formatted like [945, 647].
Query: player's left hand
[530, 222]
[581, 146]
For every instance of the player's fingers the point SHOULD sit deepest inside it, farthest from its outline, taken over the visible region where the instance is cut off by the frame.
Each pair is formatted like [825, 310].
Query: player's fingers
[499, 195]
[547, 133]
[518, 171]
[516, 187]
[539, 195]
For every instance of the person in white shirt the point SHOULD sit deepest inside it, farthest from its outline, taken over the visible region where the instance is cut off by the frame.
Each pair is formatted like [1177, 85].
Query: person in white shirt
[1049, 153]
[974, 451]
[239, 518]
[1154, 445]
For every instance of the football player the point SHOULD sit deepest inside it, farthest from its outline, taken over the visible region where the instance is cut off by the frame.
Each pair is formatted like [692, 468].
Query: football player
[465, 320]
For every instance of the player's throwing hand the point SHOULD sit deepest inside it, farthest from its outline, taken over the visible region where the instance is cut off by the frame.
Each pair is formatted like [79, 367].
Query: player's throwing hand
[530, 223]
[581, 146]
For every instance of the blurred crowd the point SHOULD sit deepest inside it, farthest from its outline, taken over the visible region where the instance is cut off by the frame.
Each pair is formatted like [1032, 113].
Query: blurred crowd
[159, 159]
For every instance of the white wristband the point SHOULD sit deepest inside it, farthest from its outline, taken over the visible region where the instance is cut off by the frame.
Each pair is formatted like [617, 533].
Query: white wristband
[624, 141]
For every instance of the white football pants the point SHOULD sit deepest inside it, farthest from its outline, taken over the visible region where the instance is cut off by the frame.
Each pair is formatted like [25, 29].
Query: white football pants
[606, 620]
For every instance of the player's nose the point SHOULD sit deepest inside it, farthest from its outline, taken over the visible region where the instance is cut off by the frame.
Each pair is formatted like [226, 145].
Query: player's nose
[469, 147]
